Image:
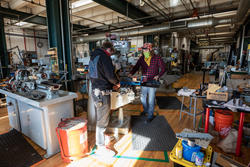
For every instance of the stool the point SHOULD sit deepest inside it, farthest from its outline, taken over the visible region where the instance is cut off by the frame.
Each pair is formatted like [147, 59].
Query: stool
[192, 105]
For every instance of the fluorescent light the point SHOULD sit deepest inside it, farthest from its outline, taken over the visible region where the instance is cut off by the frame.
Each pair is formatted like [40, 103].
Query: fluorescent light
[81, 3]
[224, 14]
[215, 34]
[21, 23]
[174, 3]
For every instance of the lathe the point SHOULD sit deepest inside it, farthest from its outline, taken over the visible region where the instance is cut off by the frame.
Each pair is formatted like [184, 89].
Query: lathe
[36, 106]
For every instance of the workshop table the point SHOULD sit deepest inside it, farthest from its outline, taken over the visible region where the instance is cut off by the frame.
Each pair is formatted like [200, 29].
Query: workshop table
[38, 119]
[229, 105]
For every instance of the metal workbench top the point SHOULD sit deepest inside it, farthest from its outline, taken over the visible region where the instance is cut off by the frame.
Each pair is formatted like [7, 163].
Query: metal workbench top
[62, 96]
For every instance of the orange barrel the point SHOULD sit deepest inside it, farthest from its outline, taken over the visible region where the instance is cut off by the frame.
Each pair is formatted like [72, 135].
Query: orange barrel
[223, 122]
[72, 137]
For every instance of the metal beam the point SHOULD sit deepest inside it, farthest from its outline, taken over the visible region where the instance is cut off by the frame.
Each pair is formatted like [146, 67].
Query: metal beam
[3, 51]
[125, 8]
[27, 36]
[14, 14]
[17, 4]
[30, 18]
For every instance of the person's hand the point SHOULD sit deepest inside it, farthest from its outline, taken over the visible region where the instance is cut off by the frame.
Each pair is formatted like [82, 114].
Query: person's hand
[117, 86]
[156, 78]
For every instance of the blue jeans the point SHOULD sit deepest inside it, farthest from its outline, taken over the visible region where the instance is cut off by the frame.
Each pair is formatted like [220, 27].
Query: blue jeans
[148, 100]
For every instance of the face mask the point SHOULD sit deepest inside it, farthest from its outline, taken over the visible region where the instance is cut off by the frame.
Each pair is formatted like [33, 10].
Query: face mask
[146, 54]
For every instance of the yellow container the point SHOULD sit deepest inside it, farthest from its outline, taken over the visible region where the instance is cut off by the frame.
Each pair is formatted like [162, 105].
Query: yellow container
[173, 156]
[178, 152]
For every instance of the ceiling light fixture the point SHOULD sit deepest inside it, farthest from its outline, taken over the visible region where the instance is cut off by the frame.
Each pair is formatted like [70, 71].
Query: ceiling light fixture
[21, 23]
[81, 3]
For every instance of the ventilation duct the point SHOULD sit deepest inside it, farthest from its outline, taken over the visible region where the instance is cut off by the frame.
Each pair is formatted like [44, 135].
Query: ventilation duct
[178, 24]
[161, 28]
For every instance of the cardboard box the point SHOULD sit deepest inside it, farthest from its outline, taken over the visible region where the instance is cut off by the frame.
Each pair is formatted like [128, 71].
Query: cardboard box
[217, 96]
[213, 95]
[52, 51]
[119, 100]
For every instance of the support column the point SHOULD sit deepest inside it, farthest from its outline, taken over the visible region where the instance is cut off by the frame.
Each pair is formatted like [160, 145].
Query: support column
[3, 50]
[59, 33]
[242, 44]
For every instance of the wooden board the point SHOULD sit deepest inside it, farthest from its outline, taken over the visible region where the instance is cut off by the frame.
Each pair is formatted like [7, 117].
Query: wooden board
[240, 76]
[226, 161]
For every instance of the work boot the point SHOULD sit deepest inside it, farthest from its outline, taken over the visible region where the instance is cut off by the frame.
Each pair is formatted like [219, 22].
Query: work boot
[143, 113]
[148, 120]
[108, 139]
[104, 151]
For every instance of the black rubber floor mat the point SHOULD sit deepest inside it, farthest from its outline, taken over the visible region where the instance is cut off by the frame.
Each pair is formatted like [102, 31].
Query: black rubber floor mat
[16, 151]
[169, 102]
[154, 136]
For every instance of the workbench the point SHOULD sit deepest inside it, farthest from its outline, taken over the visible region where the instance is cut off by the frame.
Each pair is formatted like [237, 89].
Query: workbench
[38, 119]
[235, 108]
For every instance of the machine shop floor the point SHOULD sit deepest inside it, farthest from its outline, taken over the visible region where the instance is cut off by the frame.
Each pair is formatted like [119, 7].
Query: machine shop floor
[191, 80]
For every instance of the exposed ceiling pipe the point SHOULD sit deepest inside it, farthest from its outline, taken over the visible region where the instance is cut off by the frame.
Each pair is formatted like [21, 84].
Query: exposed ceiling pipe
[156, 10]
[215, 38]
[163, 6]
[211, 47]
[225, 33]
[194, 8]
[243, 8]
[208, 22]
[159, 9]
[188, 10]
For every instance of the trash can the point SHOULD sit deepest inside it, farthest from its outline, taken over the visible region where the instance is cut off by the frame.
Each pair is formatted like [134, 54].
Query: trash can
[72, 137]
[223, 122]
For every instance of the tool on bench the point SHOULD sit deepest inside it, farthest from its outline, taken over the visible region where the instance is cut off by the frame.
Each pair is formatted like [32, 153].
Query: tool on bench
[204, 136]
[194, 137]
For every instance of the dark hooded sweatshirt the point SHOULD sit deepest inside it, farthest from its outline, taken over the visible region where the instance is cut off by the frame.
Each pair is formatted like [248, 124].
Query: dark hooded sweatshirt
[102, 71]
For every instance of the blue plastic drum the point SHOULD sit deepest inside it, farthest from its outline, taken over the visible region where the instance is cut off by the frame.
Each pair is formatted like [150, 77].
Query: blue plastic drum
[189, 153]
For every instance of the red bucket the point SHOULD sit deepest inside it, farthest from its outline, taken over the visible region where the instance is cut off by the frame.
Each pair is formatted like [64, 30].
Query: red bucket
[72, 137]
[223, 122]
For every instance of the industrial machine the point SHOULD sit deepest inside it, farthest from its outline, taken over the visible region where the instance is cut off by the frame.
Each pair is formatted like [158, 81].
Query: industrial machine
[32, 82]
[36, 106]
[122, 46]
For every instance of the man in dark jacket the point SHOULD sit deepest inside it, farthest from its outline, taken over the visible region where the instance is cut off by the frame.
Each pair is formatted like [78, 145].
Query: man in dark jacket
[103, 80]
